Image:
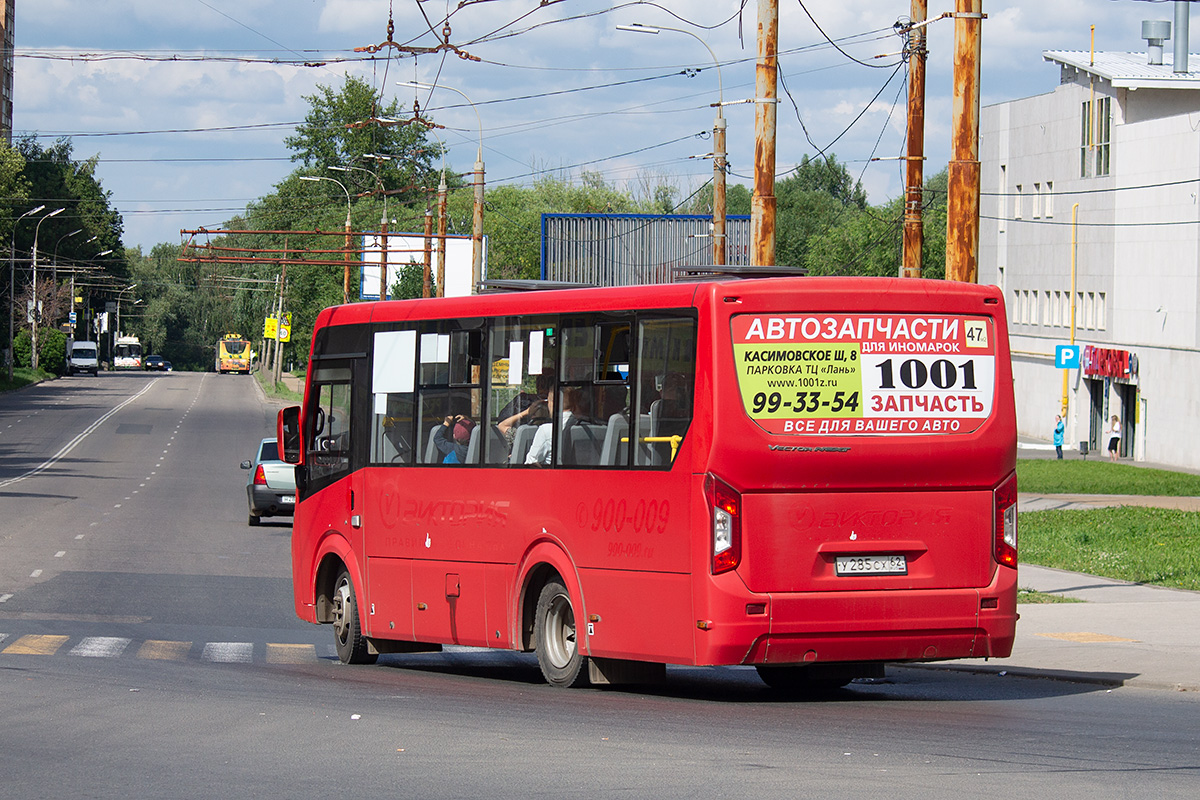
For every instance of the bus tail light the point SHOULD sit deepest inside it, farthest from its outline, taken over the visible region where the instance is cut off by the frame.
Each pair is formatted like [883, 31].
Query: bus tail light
[260, 476]
[725, 505]
[1005, 525]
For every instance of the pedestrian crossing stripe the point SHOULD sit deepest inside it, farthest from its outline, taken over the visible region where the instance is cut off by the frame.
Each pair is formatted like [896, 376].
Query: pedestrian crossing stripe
[162, 649]
[36, 645]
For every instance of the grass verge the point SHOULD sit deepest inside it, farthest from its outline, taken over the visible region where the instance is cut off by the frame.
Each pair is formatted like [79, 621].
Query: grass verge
[1051, 476]
[1144, 545]
[278, 391]
[1037, 598]
[22, 376]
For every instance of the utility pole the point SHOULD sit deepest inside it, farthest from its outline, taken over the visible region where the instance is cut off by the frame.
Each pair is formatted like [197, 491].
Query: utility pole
[962, 205]
[719, 163]
[441, 228]
[383, 253]
[762, 206]
[425, 272]
[914, 231]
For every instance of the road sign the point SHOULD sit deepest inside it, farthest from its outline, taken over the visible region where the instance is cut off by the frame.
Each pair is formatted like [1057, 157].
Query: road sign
[1067, 356]
[71, 318]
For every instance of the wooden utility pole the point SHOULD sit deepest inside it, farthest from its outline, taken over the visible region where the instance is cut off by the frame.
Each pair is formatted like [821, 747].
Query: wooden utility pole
[762, 205]
[426, 283]
[441, 229]
[962, 204]
[914, 231]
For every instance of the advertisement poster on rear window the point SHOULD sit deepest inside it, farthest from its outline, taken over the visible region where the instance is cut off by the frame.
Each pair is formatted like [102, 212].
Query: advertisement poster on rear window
[865, 374]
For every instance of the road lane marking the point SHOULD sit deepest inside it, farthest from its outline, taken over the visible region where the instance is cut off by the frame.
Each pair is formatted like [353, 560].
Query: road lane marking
[60, 554]
[290, 653]
[4, 598]
[37, 573]
[164, 650]
[35, 645]
[71, 445]
[100, 647]
[229, 652]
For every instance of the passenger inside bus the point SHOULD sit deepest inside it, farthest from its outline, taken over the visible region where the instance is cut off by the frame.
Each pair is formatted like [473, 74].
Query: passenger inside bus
[452, 438]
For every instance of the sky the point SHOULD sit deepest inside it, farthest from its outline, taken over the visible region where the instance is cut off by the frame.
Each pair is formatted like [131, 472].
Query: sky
[187, 102]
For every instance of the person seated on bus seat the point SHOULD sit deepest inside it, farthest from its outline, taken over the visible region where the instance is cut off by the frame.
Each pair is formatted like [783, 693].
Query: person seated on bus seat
[540, 449]
[526, 416]
[524, 401]
[452, 437]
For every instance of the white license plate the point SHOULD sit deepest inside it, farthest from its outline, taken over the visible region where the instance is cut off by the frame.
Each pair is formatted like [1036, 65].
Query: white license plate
[871, 565]
[287, 498]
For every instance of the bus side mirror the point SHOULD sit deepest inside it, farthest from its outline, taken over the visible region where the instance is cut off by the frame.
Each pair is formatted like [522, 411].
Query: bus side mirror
[288, 434]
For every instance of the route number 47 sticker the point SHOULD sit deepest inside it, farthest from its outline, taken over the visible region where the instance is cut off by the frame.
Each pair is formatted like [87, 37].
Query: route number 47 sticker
[865, 374]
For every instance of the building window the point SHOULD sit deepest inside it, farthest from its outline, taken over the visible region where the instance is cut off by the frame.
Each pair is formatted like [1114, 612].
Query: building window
[1047, 309]
[1100, 310]
[1017, 203]
[1089, 311]
[1031, 316]
[1003, 192]
[1085, 140]
[1048, 205]
[1037, 201]
[1103, 132]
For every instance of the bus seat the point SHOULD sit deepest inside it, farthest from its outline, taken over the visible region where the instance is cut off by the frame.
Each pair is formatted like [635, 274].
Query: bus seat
[611, 453]
[497, 446]
[521, 443]
[614, 451]
[432, 456]
[586, 440]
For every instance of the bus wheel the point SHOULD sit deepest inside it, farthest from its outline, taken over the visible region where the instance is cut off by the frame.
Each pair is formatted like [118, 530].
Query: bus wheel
[803, 680]
[554, 636]
[347, 631]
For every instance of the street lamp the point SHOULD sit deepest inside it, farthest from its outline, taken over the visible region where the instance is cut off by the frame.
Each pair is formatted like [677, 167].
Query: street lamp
[54, 262]
[719, 162]
[346, 271]
[383, 227]
[477, 216]
[37, 311]
[12, 271]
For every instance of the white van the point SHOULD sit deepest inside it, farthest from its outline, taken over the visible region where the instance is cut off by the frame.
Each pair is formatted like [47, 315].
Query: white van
[82, 358]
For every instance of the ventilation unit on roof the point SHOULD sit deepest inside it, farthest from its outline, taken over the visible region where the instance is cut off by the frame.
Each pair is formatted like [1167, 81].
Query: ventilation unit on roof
[1155, 32]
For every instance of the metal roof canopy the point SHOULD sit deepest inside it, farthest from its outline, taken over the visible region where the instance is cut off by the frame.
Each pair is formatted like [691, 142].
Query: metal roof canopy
[1126, 70]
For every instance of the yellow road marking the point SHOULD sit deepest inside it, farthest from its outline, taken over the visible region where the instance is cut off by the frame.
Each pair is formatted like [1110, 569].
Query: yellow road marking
[1085, 637]
[164, 650]
[290, 653]
[34, 645]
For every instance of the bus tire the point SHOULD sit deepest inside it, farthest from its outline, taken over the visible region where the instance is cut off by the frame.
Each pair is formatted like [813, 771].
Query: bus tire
[347, 630]
[554, 636]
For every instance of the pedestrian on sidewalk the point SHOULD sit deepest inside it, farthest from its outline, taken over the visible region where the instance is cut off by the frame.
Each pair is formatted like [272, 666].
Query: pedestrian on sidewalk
[1060, 428]
[1114, 438]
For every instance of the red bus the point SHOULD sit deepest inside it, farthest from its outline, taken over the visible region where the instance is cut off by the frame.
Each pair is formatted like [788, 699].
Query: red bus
[812, 476]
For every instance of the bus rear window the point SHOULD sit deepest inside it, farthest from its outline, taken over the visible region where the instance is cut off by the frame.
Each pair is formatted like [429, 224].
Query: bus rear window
[852, 374]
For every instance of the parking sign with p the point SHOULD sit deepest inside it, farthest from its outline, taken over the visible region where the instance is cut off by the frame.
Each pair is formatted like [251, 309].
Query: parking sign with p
[1067, 356]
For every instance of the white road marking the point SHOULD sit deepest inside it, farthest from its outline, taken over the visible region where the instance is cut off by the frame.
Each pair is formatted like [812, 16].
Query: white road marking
[229, 652]
[71, 445]
[36, 573]
[60, 554]
[100, 647]
[4, 598]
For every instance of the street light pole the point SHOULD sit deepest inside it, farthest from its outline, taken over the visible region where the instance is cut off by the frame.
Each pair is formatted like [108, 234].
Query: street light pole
[477, 215]
[719, 154]
[346, 257]
[33, 358]
[12, 271]
[383, 228]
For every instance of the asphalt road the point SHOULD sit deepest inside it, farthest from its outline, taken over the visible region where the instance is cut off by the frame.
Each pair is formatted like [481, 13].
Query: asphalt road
[148, 649]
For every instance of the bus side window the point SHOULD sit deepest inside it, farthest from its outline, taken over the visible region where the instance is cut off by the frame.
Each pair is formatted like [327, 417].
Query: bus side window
[521, 368]
[666, 380]
[393, 399]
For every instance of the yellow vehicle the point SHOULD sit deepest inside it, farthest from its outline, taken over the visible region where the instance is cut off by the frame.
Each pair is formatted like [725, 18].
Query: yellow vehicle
[233, 354]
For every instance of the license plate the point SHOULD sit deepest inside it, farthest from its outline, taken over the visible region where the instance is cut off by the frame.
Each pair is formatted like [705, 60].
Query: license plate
[871, 565]
[287, 498]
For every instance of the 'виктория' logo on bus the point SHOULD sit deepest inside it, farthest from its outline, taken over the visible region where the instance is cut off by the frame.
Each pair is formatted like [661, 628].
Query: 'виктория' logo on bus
[865, 374]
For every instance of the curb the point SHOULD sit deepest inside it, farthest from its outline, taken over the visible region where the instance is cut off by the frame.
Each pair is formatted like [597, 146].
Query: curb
[1065, 676]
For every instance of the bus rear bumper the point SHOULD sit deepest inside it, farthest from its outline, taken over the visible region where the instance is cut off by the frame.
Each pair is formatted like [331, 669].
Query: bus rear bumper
[892, 625]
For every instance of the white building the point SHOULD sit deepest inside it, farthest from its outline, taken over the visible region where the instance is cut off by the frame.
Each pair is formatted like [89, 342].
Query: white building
[1109, 160]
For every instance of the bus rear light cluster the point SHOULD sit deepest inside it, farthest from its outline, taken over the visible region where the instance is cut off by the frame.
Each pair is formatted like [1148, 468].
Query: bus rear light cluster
[260, 476]
[1005, 524]
[725, 505]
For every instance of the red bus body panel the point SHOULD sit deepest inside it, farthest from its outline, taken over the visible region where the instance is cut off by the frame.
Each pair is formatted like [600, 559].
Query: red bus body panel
[447, 555]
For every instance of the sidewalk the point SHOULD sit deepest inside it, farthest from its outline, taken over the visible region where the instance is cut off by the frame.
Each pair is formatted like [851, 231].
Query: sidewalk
[1123, 634]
